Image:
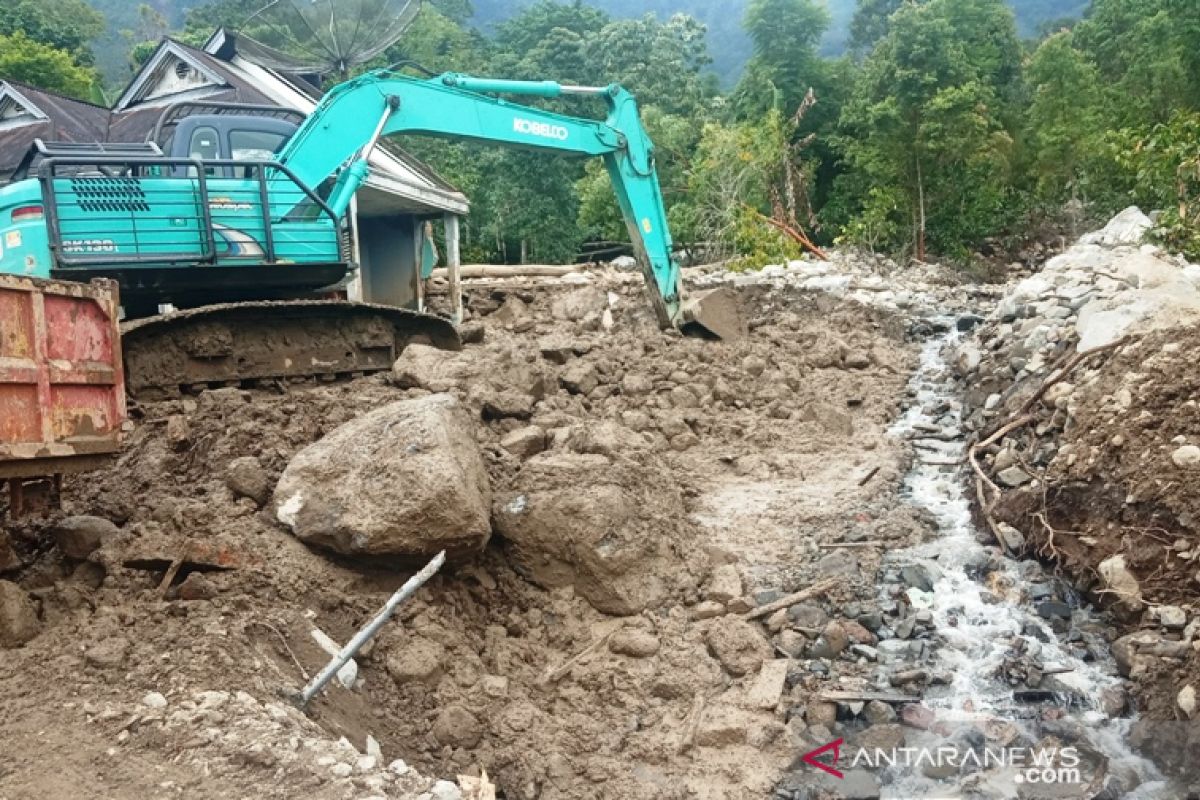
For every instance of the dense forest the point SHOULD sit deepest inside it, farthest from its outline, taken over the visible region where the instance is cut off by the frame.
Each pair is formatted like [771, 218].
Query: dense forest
[940, 132]
[729, 44]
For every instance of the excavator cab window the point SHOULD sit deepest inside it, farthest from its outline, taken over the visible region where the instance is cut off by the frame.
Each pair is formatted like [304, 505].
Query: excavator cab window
[206, 146]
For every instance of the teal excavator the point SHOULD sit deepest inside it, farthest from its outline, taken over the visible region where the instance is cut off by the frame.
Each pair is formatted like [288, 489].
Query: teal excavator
[250, 251]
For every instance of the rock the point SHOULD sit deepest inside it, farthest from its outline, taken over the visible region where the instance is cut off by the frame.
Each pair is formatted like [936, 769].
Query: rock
[578, 304]
[725, 726]
[197, 586]
[832, 641]
[1013, 539]
[1186, 700]
[455, 726]
[1171, 617]
[1050, 609]
[506, 404]
[580, 378]
[422, 366]
[1125, 651]
[724, 584]
[445, 790]
[418, 660]
[525, 442]
[707, 610]
[769, 685]
[178, 432]
[883, 736]
[9, 560]
[1186, 457]
[18, 616]
[1013, 477]
[1121, 582]
[738, 645]
[398, 767]
[917, 575]
[819, 712]
[406, 480]
[1113, 701]
[634, 643]
[857, 359]
[879, 713]
[754, 365]
[917, 716]
[809, 616]
[1127, 228]
[246, 477]
[495, 686]
[624, 263]
[154, 700]
[792, 643]
[108, 653]
[839, 562]
[78, 537]
[602, 525]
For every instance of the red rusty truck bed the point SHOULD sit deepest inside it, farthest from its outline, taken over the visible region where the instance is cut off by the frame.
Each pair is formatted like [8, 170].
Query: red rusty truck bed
[62, 389]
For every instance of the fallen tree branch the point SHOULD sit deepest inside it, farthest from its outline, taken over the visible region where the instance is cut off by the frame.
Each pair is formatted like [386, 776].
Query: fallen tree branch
[867, 697]
[556, 674]
[795, 235]
[794, 598]
[514, 271]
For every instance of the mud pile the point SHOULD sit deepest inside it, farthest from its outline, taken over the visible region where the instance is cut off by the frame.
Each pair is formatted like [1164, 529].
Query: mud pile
[1082, 386]
[648, 493]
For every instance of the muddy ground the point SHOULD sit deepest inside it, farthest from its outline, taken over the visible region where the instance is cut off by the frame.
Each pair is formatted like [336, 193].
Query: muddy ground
[765, 463]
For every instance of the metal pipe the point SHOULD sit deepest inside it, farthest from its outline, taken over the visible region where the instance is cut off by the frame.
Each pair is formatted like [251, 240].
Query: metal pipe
[369, 630]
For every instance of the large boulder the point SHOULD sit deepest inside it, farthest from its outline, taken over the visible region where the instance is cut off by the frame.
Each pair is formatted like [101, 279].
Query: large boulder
[608, 526]
[405, 480]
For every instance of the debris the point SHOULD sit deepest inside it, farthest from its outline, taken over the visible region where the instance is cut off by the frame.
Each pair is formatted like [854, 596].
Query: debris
[557, 673]
[18, 616]
[633, 642]
[80, 536]
[768, 686]
[815, 590]
[347, 674]
[370, 629]
[739, 646]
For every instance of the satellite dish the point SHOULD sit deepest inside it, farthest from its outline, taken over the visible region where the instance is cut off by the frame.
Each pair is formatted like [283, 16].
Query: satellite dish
[326, 37]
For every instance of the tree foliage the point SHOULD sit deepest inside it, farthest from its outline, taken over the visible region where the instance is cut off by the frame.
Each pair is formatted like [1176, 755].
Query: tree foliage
[67, 25]
[29, 61]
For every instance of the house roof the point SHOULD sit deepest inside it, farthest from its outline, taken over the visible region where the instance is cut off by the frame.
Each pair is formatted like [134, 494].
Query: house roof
[28, 113]
[225, 71]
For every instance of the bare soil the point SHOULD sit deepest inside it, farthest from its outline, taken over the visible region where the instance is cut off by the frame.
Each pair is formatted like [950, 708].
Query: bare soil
[758, 452]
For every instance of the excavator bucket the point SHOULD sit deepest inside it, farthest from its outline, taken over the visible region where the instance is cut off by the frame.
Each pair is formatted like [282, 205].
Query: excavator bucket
[715, 314]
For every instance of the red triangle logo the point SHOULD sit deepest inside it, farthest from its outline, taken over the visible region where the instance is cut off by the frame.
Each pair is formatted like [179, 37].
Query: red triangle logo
[810, 757]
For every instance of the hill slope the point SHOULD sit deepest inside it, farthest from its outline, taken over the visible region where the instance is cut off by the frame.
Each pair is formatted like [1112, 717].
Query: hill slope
[729, 44]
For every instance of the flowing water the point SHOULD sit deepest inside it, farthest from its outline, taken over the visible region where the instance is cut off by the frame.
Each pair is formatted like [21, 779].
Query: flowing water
[981, 624]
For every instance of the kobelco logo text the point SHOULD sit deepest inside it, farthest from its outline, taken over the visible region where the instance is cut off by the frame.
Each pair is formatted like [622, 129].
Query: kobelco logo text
[543, 129]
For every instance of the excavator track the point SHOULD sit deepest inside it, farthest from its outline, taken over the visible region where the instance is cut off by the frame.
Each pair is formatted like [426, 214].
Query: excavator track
[237, 343]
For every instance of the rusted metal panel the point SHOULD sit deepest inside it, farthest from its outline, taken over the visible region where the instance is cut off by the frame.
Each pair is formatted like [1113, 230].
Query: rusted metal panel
[62, 387]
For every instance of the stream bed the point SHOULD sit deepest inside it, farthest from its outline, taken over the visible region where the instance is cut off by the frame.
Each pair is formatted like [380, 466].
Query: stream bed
[1024, 697]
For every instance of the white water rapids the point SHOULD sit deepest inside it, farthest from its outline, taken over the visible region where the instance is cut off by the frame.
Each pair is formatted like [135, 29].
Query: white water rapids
[976, 625]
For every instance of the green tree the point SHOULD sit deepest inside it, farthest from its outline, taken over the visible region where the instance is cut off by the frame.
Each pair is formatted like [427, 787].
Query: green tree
[785, 64]
[870, 23]
[925, 126]
[1064, 117]
[67, 25]
[29, 61]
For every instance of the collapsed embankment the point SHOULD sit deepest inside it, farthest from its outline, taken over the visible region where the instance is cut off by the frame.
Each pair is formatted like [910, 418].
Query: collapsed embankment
[1082, 390]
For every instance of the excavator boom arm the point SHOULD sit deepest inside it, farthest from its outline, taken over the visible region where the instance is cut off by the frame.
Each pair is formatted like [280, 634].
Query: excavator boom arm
[338, 136]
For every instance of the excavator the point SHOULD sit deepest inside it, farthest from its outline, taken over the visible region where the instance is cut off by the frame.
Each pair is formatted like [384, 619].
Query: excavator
[250, 252]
